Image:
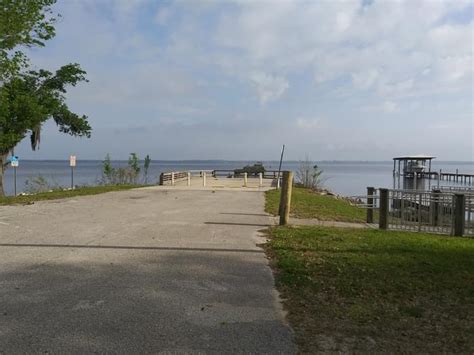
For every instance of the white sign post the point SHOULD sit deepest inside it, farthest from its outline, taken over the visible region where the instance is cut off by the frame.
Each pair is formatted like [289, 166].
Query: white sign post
[14, 162]
[72, 164]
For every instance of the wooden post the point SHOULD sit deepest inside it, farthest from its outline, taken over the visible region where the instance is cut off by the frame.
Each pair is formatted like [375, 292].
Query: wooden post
[370, 205]
[245, 179]
[285, 198]
[434, 207]
[172, 179]
[459, 214]
[203, 178]
[189, 178]
[282, 188]
[161, 179]
[383, 211]
[260, 179]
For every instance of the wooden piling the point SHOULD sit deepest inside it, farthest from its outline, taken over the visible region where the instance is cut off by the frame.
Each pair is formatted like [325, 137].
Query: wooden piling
[459, 214]
[383, 211]
[281, 188]
[285, 198]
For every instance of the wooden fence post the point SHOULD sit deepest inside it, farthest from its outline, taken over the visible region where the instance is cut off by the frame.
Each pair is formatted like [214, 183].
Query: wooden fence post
[260, 179]
[161, 179]
[172, 179]
[434, 206]
[459, 214]
[189, 178]
[282, 188]
[370, 205]
[245, 179]
[383, 211]
[203, 178]
[285, 198]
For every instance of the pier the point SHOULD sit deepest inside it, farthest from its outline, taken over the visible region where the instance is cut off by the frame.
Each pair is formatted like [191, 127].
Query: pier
[419, 167]
[219, 178]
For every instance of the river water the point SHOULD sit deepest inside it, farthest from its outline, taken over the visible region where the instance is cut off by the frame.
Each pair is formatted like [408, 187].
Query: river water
[345, 178]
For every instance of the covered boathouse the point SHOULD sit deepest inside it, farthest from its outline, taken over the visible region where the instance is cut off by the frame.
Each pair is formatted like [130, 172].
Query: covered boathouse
[412, 166]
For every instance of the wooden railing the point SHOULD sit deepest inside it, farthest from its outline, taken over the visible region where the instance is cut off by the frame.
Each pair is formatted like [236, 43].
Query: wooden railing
[172, 177]
[268, 174]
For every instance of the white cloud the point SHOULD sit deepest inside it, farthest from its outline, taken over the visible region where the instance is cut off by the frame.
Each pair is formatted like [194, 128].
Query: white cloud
[383, 46]
[269, 87]
[189, 66]
[308, 123]
[389, 106]
[365, 80]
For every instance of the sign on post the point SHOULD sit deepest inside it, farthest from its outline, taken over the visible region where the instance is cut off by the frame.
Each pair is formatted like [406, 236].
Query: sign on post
[72, 164]
[14, 161]
[72, 161]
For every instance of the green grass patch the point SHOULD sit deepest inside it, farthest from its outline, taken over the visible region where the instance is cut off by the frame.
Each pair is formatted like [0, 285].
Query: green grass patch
[58, 194]
[308, 204]
[365, 290]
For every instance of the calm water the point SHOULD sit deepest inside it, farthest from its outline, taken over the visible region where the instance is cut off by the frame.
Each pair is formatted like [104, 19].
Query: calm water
[346, 178]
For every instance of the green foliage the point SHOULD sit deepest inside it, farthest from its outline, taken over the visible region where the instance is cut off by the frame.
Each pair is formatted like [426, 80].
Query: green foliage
[309, 175]
[306, 203]
[29, 98]
[146, 165]
[26, 23]
[355, 283]
[134, 166]
[38, 184]
[107, 169]
[120, 175]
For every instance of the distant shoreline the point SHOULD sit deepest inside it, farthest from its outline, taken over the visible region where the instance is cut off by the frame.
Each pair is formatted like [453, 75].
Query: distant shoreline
[246, 161]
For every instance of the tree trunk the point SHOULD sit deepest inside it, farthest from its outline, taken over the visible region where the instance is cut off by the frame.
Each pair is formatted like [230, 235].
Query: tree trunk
[3, 166]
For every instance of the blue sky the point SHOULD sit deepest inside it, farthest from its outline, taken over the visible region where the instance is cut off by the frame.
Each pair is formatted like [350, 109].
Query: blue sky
[342, 80]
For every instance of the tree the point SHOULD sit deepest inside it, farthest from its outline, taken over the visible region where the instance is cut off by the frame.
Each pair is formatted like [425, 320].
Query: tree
[29, 98]
[309, 175]
[26, 23]
[146, 165]
[134, 167]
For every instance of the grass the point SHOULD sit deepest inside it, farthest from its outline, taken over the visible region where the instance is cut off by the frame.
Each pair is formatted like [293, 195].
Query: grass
[365, 290]
[58, 194]
[307, 204]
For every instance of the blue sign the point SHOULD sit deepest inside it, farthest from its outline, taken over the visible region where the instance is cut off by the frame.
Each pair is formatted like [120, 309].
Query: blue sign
[14, 161]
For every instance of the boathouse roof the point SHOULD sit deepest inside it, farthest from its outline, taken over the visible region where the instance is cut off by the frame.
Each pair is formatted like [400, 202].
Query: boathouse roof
[415, 157]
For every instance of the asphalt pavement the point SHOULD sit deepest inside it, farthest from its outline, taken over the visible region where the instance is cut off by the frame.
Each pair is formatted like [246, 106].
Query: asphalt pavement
[142, 271]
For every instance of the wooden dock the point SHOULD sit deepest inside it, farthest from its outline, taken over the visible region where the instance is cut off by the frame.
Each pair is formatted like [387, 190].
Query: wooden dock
[454, 177]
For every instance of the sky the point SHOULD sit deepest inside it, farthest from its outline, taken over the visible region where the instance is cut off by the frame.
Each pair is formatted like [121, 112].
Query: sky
[332, 80]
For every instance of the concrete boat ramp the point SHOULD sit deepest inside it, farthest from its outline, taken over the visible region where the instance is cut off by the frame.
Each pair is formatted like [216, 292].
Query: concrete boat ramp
[158, 269]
